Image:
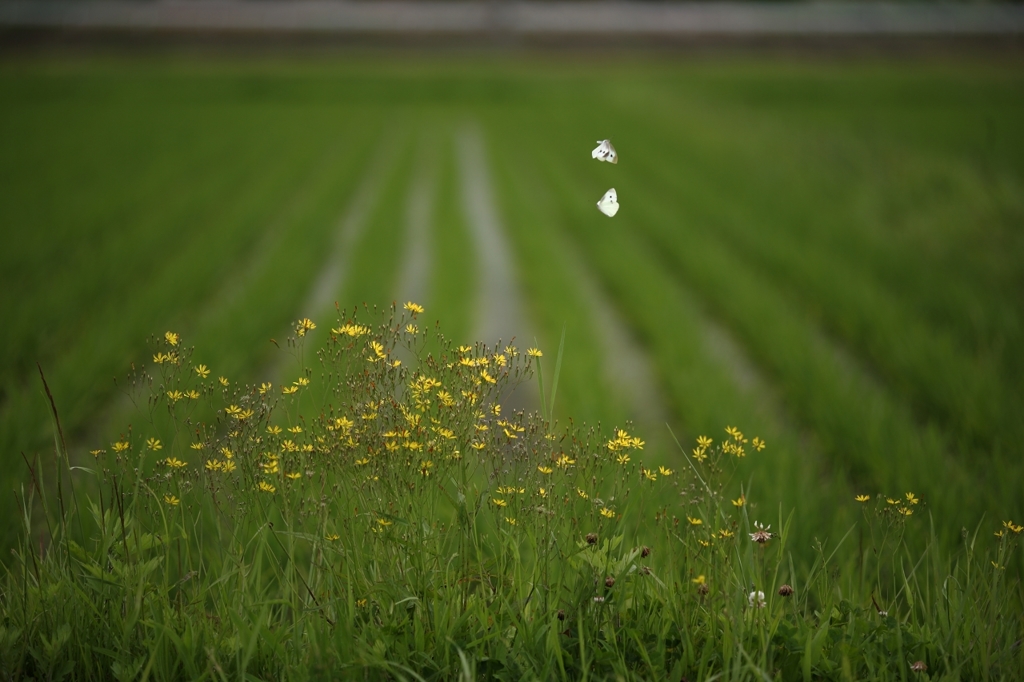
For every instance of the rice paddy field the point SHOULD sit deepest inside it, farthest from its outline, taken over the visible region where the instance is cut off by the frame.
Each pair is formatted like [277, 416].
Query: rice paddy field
[826, 254]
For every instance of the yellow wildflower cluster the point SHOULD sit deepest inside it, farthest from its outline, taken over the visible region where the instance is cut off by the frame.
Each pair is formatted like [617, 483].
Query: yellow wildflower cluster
[624, 441]
[353, 330]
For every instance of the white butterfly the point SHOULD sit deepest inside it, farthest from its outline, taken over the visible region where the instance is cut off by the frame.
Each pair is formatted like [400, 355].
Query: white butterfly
[609, 204]
[605, 152]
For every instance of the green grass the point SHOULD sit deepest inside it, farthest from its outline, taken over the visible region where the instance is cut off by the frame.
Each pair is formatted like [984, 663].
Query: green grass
[405, 527]
[851, 230]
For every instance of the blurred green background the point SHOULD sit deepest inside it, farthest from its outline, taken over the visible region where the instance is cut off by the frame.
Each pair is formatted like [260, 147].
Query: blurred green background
[825, 253]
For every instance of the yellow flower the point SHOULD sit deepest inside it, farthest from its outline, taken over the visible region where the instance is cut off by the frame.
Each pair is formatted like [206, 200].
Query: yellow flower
[739, 501]
[301, 381]
[362, 462]
[120, 446]
[294, 475]
[906, 511]
[384, 522]
[413, 308]
[334, 537]
[911, 498]
[265, 387]
[607, 513]
[622, 459]
[703, 543]
[545, 470]
[361, 603]
[693, 521]
[862, 498]
[477, 445]
[648, 474]
[192, 394]
[699, 455]
[725, 533]
[154, 444]
[223, 381]
[498, 502]
[699, 580]
[534, 353]
[582, 493]
[1015, 529]
[487, 377]
[758, 444]
[174, 396]
[665, 472]
[353, 330]
[703, 442]
[227, 452]
[289, 390]
[510, 520]
[304, 325]
[412, 329]
[889, 500]
[171, 338]
[203, 371]
[174, 463]
[564, 462]
[425, 467]
[266, 487]
[543, 492]
[736, 434]
[244, 414]
[228, 467]
[96, 453]
[998, 533]
[213, 465]
[171, 500]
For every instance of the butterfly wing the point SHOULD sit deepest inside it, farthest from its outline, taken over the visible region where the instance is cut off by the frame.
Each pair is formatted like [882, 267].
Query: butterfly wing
[611, 156]
[609, 203]
[605, 152]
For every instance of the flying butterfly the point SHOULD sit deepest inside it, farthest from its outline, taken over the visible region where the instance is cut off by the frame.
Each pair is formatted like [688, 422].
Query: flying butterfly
[605, 152]
[609, 204]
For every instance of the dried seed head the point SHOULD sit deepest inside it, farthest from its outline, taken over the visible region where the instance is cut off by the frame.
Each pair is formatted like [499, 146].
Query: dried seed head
[786, 591]
[645, 552]
[561, 614]
[609, 582]
[646, 570]
[703, 589]
[591, 538]
[919, 667]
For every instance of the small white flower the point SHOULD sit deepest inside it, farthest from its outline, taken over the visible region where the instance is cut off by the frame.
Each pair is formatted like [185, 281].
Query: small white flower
[761, 534]
[756, 599]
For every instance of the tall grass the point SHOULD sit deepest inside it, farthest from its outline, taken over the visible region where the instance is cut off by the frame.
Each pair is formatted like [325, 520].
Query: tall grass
[373, 519]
